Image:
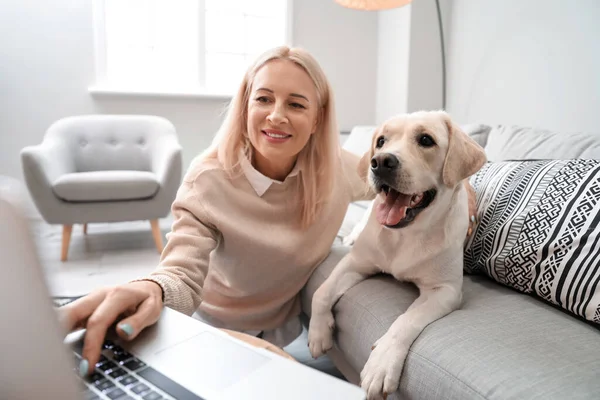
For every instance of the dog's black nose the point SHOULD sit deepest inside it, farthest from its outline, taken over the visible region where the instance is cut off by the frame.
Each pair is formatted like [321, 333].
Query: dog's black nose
[384, 163]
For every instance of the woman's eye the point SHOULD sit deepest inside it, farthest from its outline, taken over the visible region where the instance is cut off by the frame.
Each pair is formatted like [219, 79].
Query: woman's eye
[380, 142]
[426, 140]
[262, 99]
[297, 105]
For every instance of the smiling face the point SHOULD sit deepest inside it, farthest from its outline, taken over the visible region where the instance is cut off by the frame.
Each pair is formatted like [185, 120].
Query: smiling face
[418, 143]
[282, 116]
[408, 157]
[412, 159]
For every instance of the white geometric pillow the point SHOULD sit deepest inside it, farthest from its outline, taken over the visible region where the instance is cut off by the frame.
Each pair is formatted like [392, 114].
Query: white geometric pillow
[538, 230]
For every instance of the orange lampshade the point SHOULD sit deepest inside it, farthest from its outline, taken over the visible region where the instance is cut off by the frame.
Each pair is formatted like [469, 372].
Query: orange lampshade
[372, 5]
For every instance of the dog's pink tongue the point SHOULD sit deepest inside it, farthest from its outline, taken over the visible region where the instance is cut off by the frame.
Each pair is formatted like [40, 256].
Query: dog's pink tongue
[393, 209]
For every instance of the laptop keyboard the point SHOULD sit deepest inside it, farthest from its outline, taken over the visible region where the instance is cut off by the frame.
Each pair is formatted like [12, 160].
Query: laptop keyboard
[120, 375]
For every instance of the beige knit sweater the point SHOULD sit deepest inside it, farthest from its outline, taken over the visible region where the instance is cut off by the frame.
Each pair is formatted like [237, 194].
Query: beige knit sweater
[239, 257]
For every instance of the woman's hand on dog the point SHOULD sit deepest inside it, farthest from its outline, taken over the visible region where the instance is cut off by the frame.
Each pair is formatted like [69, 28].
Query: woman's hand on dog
[472, 207]
[134, 306]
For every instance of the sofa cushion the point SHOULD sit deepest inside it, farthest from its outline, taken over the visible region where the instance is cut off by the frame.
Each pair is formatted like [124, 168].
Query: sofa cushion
[539, 232]
[511, 142]
[359, 140]
[477, 132]
[500, 344]
[106, 186]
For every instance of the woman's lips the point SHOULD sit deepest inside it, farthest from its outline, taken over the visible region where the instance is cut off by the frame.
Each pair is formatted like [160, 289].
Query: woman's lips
[275, 136]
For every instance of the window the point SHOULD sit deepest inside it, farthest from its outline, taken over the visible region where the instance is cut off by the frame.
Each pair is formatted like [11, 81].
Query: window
[183, 46]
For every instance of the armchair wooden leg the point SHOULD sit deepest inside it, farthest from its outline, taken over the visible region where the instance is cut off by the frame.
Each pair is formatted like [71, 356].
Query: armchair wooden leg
[66, 239]
[157, 235]
[85, 229]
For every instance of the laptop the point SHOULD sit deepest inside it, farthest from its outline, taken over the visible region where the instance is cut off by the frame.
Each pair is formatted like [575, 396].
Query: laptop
[177, 358]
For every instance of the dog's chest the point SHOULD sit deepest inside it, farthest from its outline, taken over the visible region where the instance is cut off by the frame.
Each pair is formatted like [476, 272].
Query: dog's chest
[406, 256]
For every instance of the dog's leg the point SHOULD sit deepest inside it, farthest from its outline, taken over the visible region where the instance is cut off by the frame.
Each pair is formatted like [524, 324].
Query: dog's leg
[381, 374]
[345, 275]
[359, 227]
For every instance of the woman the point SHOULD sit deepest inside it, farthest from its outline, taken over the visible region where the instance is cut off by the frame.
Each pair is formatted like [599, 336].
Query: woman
[254, 216]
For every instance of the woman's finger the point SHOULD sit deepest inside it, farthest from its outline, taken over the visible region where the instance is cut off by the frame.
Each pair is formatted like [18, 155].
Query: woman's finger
[116, 302]
[147, 314]
[75, 314]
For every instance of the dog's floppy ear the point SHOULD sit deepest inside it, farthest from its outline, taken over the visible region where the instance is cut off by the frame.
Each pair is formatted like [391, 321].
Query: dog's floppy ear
[464, 157]
[365, 161]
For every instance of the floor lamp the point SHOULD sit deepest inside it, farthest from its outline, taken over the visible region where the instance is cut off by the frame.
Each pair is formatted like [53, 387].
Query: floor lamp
[374, 5]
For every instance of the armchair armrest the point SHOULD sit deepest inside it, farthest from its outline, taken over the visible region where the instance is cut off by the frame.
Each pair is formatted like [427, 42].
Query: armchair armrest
[166, 160]
[44, 163]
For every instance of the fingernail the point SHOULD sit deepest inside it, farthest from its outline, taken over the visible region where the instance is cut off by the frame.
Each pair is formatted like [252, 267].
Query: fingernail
[83, 367]
[128, 329]
[472, 218]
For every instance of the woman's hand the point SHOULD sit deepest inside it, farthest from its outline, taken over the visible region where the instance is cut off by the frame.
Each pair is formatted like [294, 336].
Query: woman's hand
[136, 305]
[472, 207]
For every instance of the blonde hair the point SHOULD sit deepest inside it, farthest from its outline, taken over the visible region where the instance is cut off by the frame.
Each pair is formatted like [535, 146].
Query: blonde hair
[319, 158]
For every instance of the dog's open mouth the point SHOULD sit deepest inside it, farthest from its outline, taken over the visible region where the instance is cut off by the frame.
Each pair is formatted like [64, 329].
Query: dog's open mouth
[399, 209]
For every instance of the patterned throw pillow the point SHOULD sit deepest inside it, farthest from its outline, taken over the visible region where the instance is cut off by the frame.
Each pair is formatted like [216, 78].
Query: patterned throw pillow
[538, 230]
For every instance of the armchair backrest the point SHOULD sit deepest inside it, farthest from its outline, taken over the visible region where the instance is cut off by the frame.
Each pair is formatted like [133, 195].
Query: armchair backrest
[110, 142]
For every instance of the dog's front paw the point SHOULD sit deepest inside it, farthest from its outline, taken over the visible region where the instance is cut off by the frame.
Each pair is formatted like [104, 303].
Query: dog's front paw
[320, 334]
[381, 374]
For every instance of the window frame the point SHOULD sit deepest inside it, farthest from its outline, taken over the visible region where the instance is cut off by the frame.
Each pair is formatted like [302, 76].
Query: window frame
[101, 87]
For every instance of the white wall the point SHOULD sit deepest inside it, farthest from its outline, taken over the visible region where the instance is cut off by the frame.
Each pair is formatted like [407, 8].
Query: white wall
[393, 62]
[533, 62]
[345, 43]
[409, 73]
[46, 66]
[425, 88]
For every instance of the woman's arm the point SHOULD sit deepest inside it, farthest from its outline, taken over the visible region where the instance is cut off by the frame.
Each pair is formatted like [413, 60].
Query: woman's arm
[184, 261]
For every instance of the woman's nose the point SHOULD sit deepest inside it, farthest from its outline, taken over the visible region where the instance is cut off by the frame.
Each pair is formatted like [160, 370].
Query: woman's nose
[277, 115]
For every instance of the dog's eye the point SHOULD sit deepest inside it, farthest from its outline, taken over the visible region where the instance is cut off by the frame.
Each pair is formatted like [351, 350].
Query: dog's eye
[380, 142]
[425, 140]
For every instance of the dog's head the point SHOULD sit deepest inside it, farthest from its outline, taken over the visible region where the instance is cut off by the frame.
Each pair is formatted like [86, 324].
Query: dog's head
[412, 158]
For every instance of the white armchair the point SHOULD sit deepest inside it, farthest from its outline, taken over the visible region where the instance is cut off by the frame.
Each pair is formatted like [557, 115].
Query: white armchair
[104, 168]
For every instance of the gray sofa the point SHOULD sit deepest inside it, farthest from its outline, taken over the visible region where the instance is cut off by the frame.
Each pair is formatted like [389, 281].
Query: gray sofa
[501, 344]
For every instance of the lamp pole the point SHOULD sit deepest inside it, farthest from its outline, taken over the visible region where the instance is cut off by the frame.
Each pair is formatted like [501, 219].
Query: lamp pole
[443, 49]
[375, 5]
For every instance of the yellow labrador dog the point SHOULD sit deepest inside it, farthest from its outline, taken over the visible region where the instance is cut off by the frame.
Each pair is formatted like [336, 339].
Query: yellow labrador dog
[417, 164]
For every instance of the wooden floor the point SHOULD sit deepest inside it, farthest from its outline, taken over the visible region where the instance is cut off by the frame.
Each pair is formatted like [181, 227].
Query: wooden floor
[109, 254]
